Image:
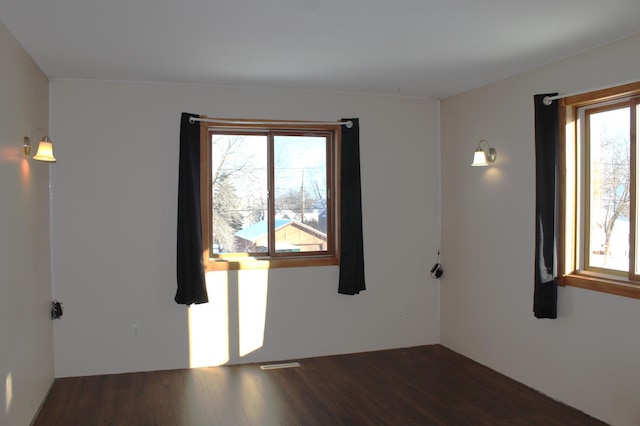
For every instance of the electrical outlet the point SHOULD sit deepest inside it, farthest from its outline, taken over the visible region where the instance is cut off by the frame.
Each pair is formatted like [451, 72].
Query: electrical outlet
[400, 314]
[135, 330]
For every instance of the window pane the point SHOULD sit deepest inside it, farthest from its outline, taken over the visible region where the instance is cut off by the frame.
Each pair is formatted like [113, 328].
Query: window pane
[300, 170]
[609, 189]
[239, 185]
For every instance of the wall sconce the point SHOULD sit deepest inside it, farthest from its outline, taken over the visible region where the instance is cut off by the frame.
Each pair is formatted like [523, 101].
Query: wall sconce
[482, 157]
[45, 147]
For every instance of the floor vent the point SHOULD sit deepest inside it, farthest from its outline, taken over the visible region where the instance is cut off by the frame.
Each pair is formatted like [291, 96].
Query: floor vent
[281, 365]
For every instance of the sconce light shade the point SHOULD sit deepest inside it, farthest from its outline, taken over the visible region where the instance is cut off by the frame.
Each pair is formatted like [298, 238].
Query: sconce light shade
[482, 157]
[45, 151]
[45, 148]
[479, 159]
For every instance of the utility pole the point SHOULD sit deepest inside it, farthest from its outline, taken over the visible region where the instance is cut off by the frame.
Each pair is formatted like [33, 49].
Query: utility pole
[302, 195]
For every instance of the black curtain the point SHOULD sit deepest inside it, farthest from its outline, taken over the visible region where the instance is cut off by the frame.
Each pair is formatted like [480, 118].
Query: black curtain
[191, 278]
[545, 298]
[351, 245]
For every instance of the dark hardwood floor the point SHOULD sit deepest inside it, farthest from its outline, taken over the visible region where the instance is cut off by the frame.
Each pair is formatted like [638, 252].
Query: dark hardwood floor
[427, 385]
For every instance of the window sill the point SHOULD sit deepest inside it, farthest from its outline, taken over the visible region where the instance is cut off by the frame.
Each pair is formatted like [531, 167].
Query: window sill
[254, 263]
[605, 285]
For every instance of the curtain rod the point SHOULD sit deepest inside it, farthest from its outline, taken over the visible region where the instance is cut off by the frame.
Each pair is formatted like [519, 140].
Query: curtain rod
[548, 100]
[349, 124]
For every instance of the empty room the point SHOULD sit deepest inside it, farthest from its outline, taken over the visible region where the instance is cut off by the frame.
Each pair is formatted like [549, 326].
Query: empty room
[266, 213]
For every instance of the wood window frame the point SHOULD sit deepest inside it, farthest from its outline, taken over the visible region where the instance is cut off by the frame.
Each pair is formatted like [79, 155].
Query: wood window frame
[246, 261]
[569, 228]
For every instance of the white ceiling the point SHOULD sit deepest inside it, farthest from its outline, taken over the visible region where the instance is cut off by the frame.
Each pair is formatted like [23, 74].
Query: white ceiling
[426, 48]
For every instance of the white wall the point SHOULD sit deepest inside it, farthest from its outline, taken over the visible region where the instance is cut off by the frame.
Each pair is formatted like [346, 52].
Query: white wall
[589, 356]
[114, 214]
[26, 347]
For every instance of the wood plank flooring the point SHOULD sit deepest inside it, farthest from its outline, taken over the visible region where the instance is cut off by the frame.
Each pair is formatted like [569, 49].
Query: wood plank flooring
[426, 385]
